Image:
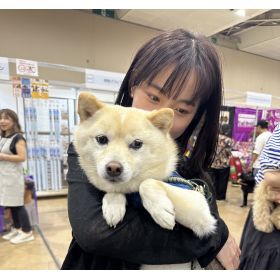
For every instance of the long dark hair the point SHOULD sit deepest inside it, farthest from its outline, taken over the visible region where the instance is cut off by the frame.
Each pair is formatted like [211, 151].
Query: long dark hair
[11, 114]
[188, 53]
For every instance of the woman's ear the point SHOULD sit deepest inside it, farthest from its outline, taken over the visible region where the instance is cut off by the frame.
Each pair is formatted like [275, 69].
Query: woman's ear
[88, 104]
[132, 94]
[162, 119]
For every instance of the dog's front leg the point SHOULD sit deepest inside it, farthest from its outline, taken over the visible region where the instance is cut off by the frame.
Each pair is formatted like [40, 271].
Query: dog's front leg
[113, 208]
[167, 203]
[191, 210]
[157, 203]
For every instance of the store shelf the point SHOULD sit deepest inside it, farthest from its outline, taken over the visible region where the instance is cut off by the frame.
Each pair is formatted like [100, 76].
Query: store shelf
[63, 192]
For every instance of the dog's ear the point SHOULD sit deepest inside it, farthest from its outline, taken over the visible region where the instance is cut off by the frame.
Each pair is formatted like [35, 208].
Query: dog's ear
[88, 105]
[162, 119]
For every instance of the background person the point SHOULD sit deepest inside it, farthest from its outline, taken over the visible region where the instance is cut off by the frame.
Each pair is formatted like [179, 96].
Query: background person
[12, 155]
[260, 250]
[262, 136]
[220, 167]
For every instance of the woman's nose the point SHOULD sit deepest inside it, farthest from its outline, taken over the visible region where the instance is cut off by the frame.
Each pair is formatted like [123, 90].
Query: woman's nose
[168, 104]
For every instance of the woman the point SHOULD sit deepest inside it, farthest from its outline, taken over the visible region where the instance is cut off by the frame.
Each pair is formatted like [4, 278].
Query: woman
[262, 250]
[220, 169]
[12, 154]
[181, 71]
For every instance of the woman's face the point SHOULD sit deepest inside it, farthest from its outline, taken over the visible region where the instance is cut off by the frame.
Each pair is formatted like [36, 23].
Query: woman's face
[6, 123]
[149, 97]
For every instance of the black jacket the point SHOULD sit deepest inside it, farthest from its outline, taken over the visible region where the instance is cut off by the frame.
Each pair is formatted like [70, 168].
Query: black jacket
[136, 240]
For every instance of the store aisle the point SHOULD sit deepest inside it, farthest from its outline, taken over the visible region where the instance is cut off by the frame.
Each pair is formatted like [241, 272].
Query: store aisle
[55, 226]
[56, 229]
[230, 210]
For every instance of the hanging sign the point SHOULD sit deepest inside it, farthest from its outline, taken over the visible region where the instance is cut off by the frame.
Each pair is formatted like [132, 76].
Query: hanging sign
[16, 83]
[258, 99]
[27, 67]
[25, 87]
[39, 88]
[103, 80]
[4, 68]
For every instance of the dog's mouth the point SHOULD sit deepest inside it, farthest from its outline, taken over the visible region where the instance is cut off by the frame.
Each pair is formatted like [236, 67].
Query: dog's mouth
[114, 180]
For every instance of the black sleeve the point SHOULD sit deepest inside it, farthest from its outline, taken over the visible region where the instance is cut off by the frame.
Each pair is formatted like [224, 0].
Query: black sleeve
[137, 238]
[14, 142]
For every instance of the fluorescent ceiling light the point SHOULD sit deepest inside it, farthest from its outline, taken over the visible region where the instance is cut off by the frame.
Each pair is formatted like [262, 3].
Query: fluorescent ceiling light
[240, 12]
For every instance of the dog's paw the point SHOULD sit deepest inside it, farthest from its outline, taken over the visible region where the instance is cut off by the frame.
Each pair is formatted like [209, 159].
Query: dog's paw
[157, 203]
[205, 226]
[113, 208]
[164, 216]
[275, 217]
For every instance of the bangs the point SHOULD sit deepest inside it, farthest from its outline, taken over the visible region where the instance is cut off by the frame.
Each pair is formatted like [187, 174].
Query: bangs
[4, 113]
[9, 114]
[203, 84]
[186, 64]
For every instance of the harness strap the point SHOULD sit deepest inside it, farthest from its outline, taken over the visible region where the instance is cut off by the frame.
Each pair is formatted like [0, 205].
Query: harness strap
[193, 184]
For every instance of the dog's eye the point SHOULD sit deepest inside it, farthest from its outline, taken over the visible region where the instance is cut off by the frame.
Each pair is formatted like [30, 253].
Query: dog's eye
[136, 144]
[102, 139]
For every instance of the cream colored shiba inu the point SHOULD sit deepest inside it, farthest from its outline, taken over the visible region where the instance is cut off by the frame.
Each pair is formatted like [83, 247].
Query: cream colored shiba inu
[124, 150]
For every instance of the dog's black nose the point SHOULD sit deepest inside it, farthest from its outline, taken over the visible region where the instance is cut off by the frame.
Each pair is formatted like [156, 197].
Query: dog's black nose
[114, 169]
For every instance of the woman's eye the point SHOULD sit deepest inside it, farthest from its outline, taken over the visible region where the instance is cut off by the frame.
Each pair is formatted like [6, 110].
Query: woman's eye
[181, 111]
[102, 139]
[153, 98]
[136, 144]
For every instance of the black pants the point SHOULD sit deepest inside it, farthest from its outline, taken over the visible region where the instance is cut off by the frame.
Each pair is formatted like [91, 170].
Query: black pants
[220, 181]
[245, 198]
[20, 218]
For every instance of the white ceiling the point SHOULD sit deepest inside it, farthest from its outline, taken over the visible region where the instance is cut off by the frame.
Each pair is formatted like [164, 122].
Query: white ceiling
[260, 40]
[208, 22]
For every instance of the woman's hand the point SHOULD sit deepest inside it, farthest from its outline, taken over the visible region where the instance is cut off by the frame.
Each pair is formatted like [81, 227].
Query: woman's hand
[229, 254]
[2, 156]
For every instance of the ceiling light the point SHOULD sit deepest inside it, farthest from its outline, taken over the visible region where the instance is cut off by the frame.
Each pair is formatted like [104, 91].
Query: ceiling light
[240, 12]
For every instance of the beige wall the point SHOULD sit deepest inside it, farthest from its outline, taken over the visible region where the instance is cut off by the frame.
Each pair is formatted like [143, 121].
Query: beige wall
[81, 39]
[247, 72]
[70, 37]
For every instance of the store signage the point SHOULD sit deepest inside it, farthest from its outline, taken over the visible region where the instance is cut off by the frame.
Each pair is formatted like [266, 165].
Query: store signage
[258, 99]
[16, 83]
[4, 68]
[27, 67]
[39, 88]
[26, 87]
[103, 80]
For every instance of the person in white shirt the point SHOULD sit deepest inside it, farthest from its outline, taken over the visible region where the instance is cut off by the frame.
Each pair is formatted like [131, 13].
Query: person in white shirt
[262, 137]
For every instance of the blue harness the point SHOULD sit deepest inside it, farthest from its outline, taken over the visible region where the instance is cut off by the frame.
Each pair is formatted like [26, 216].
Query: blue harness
[178, 181]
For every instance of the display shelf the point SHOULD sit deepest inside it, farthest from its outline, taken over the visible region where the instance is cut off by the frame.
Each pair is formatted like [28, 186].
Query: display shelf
[62, 192]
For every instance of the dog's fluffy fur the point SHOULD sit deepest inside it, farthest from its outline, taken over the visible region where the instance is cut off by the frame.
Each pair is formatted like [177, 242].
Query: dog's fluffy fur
[143, 169]
[266, 214]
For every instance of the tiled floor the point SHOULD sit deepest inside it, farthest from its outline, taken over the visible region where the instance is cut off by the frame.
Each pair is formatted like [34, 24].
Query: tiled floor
[56, 230]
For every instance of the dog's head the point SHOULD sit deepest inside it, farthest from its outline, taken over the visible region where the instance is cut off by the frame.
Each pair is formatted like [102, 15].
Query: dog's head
[119, 147]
